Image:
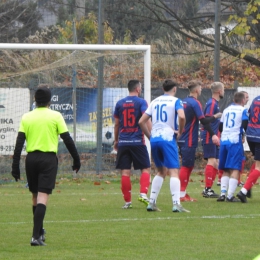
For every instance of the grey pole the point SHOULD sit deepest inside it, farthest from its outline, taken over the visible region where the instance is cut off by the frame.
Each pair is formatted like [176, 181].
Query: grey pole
[217, 40]
[74, 85]
[100, 89]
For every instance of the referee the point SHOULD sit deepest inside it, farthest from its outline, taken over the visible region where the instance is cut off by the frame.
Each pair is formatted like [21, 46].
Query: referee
[40, 129]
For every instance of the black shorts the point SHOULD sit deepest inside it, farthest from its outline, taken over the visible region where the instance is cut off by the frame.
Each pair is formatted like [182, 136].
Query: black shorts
[255, 149]
[136, 154]
[41, 171]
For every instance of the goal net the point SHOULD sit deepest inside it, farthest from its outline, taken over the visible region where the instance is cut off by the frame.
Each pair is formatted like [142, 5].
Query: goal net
[86, 81]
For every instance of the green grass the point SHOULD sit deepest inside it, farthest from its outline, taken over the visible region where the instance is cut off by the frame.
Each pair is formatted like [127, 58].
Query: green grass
[85, 221]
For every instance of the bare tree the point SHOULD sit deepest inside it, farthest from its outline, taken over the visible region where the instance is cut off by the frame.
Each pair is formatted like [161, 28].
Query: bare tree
[191, 27]
[18, 19]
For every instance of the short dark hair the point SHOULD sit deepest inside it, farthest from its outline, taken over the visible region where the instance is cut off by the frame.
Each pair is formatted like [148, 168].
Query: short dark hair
[193, 84]
[132, 84]
[238, 97]
[42, 96]
[169, 84]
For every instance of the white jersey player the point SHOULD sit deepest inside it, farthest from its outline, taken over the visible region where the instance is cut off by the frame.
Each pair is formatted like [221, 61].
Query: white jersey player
[163, 111]
[232, 122]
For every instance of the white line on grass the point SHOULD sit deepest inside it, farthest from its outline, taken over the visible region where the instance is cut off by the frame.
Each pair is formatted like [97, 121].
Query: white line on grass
[96, 193]
[139, 219]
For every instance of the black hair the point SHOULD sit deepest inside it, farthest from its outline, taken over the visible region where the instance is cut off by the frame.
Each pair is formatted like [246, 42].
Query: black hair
[169, 84]
[42, 96]
[133, 84]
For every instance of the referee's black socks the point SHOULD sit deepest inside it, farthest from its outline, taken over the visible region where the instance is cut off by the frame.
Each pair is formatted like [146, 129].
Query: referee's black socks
[38, 219]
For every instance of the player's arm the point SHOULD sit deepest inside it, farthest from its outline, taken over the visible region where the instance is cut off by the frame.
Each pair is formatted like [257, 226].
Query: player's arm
[206, 124]
[213, 136]
[68, 141]
[144, 125]
[116, 133]
[245, 119]
[181, 121]
[17, 155]
[149, 125]
[244, 124]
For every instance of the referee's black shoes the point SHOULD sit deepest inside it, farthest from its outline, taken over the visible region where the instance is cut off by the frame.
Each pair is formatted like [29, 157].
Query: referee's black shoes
[37, 242]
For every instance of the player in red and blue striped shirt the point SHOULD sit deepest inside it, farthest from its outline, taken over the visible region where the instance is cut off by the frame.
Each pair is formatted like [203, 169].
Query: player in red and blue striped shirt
[253, 139]
[130, 142]
[210, 150]
[188, 141]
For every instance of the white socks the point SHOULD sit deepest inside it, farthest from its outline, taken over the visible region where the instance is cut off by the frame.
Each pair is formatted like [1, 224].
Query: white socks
[155, 188]
[224, 185]
[175, 186]
[232, 187]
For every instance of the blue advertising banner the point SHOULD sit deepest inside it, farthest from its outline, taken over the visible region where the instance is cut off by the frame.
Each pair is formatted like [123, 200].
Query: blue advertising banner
[86, 111]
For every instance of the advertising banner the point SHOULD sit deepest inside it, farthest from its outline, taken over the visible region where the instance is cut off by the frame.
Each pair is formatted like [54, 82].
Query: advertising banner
[14, 102]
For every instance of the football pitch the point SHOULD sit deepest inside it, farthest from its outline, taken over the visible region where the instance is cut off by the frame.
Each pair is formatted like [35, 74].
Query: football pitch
[85, 221]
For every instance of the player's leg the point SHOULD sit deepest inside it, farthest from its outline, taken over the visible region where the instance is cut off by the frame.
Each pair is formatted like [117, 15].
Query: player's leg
[141, 161]
[210, 152]
[253, 175]
[126, 188]
[188, 160]
[216, 165]
[157, 182]
[171, 161]
[39, 214]
[175, 191]
[220, 174]
[123, 162]
[41, 170]
[240, 183]
[233, 162]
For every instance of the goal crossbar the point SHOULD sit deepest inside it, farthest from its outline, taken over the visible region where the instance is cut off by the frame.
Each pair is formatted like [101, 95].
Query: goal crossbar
[94, 47]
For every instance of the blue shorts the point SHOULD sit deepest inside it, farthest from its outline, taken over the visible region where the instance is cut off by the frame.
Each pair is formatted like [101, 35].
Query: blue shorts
[188, 156]
[165, 154]
[136, 154]
[210, 151]
[231, 156]
[255, 149]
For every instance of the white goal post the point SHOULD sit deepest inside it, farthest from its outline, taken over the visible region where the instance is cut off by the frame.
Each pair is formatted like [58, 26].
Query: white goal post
[145, 49]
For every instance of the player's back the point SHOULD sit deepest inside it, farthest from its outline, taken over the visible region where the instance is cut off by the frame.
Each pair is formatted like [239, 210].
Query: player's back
[193, 112]
[253, 128]
[163, 111]
[232, 123]
[129, 110]
[211, 108]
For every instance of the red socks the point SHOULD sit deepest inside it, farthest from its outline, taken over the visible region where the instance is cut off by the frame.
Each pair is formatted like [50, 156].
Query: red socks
[185, 173]
[209, 174]
[252, 179]
[144, 182]
[215, 171]
[220, 173]
[126, 188]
